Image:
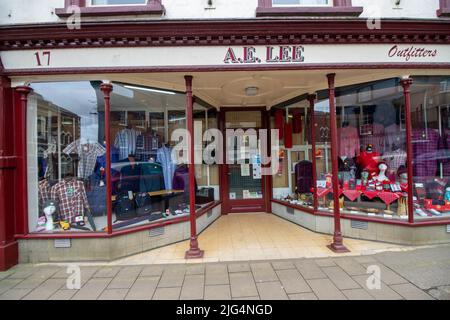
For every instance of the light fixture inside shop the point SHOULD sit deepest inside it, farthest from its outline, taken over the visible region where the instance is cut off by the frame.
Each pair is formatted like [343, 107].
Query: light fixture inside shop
[150, 90]
[251, 91]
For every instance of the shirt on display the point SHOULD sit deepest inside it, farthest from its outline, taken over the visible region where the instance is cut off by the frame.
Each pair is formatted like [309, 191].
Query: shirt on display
[146, 146]
[425, 144]
[87, 154]
[395, 159]
[152, 178]
[394, 138]
[125, 141]
[348, 142]
[72, 199]
[164, 157]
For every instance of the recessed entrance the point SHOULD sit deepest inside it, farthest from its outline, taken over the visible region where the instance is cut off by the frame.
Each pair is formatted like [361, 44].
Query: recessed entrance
[244, 186]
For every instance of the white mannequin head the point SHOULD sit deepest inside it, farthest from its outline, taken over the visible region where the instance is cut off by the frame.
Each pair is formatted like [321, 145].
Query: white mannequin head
[49, 210]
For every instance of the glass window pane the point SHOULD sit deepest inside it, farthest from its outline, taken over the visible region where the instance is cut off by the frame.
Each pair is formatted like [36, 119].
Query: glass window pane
[372, 149]
[66, 149]
[430, 118]
[150, 179]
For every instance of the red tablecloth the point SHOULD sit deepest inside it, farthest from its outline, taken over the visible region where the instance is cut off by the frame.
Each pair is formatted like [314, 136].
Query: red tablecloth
[352, 195]
[322, 192]
[388, 197]
[370, 194]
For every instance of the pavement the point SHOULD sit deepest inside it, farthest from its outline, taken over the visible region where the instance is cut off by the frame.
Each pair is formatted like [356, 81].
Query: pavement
[417, 274]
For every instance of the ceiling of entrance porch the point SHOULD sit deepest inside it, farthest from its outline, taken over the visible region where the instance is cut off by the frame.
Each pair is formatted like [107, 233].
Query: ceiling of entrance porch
[227, 88]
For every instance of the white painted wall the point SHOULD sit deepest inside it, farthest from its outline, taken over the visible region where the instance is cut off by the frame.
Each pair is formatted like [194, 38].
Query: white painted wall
[418, 9]
[42, 11]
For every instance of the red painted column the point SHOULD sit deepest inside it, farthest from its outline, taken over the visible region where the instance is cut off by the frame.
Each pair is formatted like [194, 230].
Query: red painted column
[9, 248]
[194, 251]
[107, 88]
[337, 245]
[406, 84]
[312, 119]
[21, 153]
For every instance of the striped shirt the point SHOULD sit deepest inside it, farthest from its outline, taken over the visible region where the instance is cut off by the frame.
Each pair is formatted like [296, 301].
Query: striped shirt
[126, 142]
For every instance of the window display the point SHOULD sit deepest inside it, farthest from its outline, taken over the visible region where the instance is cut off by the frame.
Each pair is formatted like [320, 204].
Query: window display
[430, 101]
[65, 138]
[372, 149]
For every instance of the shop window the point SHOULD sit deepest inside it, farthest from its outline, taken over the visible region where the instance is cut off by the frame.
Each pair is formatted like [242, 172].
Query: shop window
[111, 7]
[322, 132]
[444, 8]
[430, 118]
[372, 150]
[66, 137]
[307, 8]
[294, 182]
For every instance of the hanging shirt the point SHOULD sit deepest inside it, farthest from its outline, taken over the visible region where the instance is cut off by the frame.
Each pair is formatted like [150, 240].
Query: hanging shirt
[348, 142]
[125, 141]
[444, 152]
[44, 192]
[87, 154]
[425, 144]
[72, 199]
[164, 157]
[146, 146]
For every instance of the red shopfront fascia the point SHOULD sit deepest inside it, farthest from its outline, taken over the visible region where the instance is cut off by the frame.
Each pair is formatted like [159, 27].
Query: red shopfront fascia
[13, 214]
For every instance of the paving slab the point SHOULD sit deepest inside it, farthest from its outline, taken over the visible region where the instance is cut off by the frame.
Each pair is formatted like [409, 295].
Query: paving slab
[384, 293]
[63, 294]
[440, 293]
[113, 294]
[350, 266]
[309, 269]
[45, 290]
[263, 272]
[172, 276]
[152, 271]
[14, 294]
[218, 292]
[107, 272]
[324, 289]
[193, 287]
[283, 265]
[357, 294]
[125, 278]
[340, 279]
[243, 285]
[410, 292]
[195, 269]
[37, 278]
[326, 262]
[9, 283]
[92, 289]
[271, 291]
[238, 267]
[167, 293]
[143, 288]
[216, 274]
[303, 296]
[292, 281]
[387, 275]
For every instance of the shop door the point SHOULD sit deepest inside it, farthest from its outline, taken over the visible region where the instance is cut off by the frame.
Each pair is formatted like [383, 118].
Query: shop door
[243, 183]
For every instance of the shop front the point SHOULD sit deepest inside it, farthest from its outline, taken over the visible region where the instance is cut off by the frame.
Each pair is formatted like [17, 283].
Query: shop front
[114, 147]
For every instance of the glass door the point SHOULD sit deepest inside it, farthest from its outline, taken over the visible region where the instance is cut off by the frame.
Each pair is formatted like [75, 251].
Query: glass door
[245, 184]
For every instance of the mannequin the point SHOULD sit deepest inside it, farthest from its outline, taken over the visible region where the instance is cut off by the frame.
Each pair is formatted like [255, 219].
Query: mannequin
[382, 167]
[49, 211]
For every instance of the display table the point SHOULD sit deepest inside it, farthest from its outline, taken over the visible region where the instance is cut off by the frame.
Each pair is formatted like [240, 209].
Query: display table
[158, 193]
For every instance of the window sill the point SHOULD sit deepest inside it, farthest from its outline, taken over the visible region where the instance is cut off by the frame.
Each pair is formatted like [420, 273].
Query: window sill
[444, 12]
[153, 8]
[309, 11]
